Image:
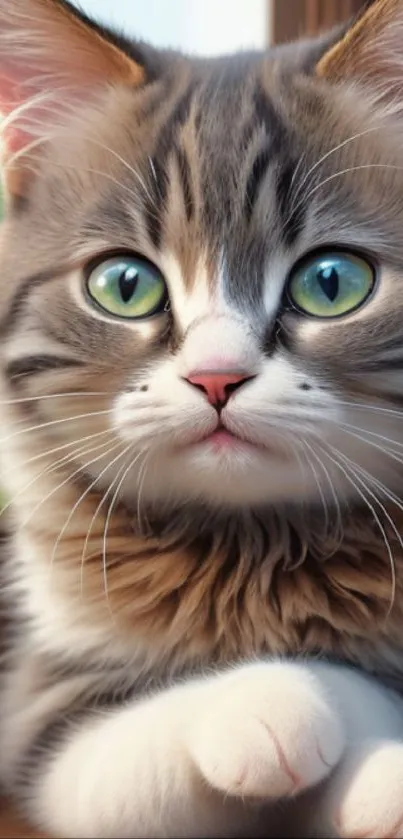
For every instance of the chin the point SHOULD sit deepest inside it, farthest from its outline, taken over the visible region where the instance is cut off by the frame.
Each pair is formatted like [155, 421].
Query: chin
[226, 476]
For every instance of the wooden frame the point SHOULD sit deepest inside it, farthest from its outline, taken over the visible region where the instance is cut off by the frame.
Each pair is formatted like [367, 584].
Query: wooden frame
[290, 19]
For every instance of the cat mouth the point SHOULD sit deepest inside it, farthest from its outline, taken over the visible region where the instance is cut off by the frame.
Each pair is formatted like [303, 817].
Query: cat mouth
[223, 439]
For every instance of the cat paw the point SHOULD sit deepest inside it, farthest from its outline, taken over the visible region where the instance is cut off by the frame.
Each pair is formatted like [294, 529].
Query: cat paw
[370, 793]
[268, 731]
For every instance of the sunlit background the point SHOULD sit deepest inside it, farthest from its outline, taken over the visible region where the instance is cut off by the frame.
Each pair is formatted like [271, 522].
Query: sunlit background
[211, 27]
[207, 27]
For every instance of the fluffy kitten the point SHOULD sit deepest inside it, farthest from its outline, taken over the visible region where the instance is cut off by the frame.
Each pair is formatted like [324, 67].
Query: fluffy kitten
[201, 376]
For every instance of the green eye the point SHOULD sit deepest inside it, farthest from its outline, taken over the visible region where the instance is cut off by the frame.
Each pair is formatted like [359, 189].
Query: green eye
[127, 287]
[331, 284]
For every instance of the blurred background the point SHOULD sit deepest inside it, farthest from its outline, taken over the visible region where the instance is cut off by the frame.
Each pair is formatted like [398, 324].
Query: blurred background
[210, 27]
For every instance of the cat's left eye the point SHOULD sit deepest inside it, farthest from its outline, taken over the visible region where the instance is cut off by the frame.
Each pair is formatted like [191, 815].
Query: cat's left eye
[330, 284]
[127, 286]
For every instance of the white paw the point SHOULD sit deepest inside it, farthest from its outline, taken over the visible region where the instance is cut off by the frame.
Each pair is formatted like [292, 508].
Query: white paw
[266, 730]
[370, 794]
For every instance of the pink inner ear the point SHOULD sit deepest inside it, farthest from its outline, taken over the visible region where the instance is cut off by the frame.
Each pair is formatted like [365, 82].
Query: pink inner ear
[45, 49]
[17, 82]
[13, 93]
[20, 85]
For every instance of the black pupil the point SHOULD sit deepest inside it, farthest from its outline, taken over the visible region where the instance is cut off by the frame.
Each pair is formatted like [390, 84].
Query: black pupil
[127, 283]
[328, 280]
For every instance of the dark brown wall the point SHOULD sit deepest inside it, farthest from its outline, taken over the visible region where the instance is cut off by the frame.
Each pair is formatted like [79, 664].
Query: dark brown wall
[293, 18]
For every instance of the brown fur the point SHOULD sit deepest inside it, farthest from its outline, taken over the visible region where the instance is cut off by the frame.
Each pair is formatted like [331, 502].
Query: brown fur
[225, 599]
[11, 826]
[353, 53]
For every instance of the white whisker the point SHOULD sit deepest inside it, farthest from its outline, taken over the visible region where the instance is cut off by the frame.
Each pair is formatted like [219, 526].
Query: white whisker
[121, 478]
[348, 171]
[94, 517]
[339, 527]
[82, 393]
[296, 203]
[53, 467]
[376, 408]
[51, 423]
[375, 434]
[347, 470]
[88, 170]
[81, 498]
[124, 163]
[388, 452]
[67, 480]
[383, 489]
[141, 481]
[59, 449]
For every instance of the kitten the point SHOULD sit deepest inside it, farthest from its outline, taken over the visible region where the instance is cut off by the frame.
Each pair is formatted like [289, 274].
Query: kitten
[201, 432]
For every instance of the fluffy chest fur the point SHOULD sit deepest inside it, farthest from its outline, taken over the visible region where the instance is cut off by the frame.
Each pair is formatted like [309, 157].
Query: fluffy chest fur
[193, 589]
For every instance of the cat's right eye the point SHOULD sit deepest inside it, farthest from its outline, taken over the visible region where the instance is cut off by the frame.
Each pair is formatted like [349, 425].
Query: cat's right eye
[127, 286]
[330, 284]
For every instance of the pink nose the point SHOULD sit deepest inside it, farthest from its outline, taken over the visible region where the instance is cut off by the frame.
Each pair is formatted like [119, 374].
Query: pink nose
[218, 384]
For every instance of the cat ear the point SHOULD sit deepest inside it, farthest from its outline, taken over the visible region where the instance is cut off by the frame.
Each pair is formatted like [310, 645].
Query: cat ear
[50, 53]
[371, 52]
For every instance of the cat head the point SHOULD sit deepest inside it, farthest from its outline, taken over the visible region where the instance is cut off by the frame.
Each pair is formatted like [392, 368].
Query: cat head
[202, 260]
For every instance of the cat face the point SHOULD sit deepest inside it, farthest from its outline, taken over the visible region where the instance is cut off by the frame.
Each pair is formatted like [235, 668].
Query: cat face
[202, 268]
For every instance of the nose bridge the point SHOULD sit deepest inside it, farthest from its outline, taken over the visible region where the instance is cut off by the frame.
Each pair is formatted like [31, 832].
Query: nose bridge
[220, 344]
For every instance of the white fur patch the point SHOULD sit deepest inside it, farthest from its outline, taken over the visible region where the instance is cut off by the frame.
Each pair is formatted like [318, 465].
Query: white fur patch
[187, 303]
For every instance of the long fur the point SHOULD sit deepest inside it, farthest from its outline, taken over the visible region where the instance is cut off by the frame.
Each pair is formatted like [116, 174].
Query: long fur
[193, 633]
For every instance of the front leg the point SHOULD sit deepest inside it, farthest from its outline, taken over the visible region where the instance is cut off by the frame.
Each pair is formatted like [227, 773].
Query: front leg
[187, 761]
[363, 797]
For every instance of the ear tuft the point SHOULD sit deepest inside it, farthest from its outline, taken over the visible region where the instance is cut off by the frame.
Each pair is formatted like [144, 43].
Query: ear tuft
[51, 53]
[371, 52]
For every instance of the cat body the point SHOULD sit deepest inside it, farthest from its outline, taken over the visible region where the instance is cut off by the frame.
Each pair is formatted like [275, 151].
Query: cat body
[201, 432]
